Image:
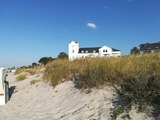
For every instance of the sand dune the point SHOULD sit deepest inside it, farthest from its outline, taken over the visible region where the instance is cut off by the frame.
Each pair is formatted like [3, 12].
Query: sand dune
[41, 102]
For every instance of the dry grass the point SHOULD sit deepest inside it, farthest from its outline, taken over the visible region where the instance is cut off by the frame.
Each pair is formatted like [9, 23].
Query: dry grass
[60, 70]
[94, 72]
[21, 77]
[34, 82]
[30, 71]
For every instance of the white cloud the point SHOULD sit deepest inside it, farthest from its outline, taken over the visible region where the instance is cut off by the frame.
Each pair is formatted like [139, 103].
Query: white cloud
[92, 25]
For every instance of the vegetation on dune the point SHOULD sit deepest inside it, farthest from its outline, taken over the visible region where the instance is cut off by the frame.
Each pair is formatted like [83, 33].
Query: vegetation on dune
[138, 76]
[60, 70]
[31, 71]
[21, 77]
[94, 72]
[46, 60]
[34, 82]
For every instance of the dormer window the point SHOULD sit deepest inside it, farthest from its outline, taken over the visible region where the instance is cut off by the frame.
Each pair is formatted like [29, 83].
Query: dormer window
[106, 51]
[103, 50]
[157, 47]
[82, 51]
[86, 51]
[149, 48]
[94, 51]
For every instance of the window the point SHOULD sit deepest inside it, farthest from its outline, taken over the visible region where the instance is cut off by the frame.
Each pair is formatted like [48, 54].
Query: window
[94, 51]
[82, 51]
[105, 51]
[86, 51]
[72, 51]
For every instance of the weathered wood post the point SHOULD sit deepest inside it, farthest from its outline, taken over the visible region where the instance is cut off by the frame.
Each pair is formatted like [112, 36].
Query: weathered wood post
[4, 87]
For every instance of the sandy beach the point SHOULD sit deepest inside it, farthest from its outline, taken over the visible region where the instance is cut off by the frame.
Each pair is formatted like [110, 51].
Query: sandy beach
[40, 101]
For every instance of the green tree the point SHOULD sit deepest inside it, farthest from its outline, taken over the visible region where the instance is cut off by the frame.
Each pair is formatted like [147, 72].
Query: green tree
[34, 64]
[13, 68]
[45, 60]
[63, 55]
[134, 50]
[29, 66]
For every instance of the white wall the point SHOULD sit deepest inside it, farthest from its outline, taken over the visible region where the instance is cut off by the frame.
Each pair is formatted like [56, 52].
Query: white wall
[116, 53]
[84, 55]
[73, 49]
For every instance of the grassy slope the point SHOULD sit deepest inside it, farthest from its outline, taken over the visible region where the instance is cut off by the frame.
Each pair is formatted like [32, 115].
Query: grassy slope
[94, 72]
[138, 76]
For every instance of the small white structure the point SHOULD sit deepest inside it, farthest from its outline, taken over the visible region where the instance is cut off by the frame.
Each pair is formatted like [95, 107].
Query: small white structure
[75, 52]
[4, 87]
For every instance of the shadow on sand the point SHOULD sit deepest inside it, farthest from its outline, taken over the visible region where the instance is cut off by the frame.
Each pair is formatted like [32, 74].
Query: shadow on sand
[11, 91]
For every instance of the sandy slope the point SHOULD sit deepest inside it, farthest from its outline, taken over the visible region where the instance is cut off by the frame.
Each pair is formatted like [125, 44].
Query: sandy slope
[42, 102]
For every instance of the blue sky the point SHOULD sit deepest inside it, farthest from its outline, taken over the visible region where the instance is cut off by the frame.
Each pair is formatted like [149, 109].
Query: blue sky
[32, 29]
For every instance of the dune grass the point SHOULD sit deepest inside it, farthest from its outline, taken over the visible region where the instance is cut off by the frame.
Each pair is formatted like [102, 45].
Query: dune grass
[31, 71]
[115, 70]
[94, 72]
[60, 70]
[21, 77]
[34, 82]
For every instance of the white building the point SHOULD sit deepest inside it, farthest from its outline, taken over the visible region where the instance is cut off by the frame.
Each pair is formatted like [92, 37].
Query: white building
[75, 52]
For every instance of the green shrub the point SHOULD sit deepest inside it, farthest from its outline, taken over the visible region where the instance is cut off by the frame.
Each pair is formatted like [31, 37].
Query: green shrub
[142, 92]
[141, 85]
[34, 82]
[21, 77]
[117, 112]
